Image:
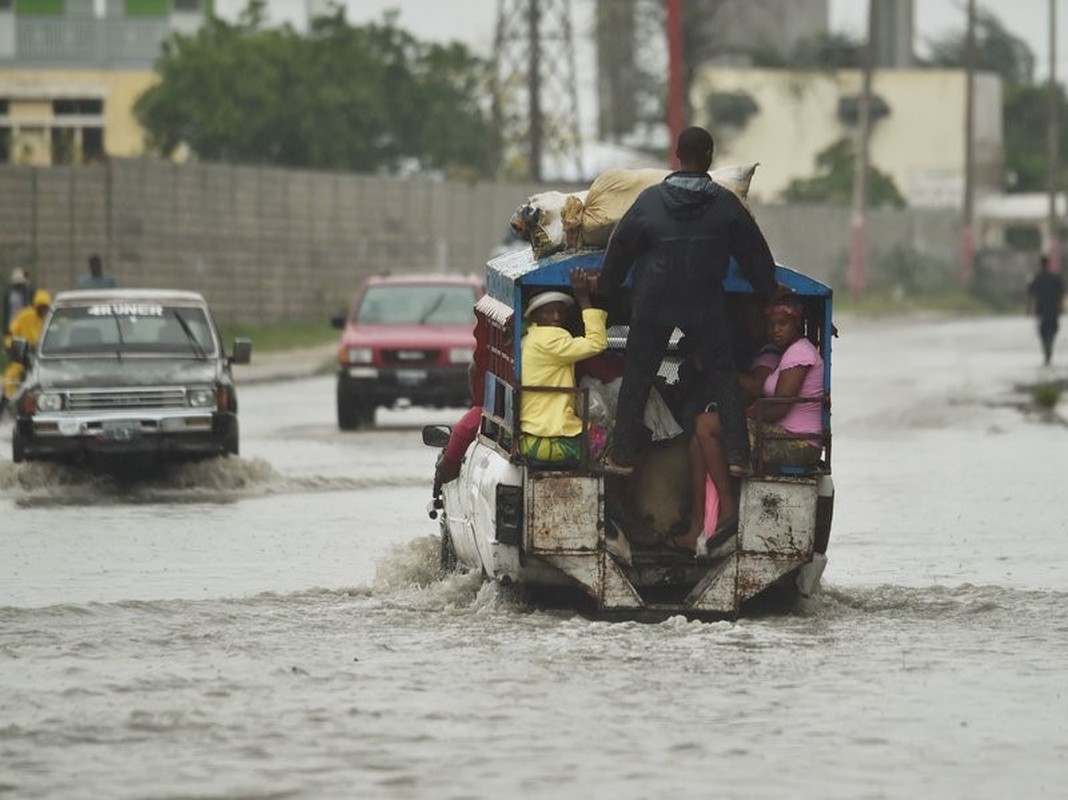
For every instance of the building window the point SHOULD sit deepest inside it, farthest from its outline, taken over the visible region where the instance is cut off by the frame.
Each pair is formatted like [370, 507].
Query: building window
[4, 107]
[92, 144]
[5, 145]
[78, 107]
[62, 145]
[187, 6]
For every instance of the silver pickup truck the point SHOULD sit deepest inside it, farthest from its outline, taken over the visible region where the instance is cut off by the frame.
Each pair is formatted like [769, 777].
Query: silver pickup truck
[120, 373]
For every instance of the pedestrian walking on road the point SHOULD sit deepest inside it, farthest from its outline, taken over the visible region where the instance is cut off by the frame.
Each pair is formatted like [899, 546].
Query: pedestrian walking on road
[1045, 298]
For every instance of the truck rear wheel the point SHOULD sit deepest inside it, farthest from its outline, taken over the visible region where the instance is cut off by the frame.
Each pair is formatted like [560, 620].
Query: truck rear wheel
[448, 553]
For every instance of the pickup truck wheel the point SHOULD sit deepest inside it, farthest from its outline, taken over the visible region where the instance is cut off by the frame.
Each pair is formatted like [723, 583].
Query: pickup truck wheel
[448, 552]
[347, 418]
[231, 445]
[18, 449]
[365, 413]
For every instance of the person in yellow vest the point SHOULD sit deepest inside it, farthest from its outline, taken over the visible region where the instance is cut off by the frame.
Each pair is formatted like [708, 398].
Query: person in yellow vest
[26, 324]
[551, 430]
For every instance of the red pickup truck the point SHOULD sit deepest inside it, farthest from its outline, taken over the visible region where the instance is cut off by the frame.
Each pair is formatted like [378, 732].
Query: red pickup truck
[405, 338]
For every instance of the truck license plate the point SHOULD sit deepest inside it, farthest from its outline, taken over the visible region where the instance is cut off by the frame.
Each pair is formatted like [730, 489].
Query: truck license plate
[120, 431]
[411, 377]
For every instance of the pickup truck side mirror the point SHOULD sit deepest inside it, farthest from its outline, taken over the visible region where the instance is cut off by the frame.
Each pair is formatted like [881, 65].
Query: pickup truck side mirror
[436, 435]
[338, 321]
[20, 350]
[242, 352]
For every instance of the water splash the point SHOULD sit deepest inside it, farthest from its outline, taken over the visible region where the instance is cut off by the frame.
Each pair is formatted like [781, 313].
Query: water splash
[218, 480]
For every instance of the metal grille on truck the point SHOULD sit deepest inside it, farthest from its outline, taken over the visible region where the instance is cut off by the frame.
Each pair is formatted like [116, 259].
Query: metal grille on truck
[103, 399]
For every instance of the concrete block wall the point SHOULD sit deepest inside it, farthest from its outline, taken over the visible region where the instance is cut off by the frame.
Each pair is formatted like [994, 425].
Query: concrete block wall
[266, 244]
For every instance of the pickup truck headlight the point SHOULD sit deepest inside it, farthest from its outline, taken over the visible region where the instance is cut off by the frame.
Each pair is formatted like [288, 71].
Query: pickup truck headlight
[461, 355]
[360, 355]
[48, 401]
[201, 397]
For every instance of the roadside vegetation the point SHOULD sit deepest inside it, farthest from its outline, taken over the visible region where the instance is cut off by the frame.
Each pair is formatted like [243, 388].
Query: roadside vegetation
[281, 335]
[1045, 396]
[888, 304]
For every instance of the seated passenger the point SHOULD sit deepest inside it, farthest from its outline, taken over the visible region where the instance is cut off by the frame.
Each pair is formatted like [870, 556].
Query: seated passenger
[550, 430]
[799, 373]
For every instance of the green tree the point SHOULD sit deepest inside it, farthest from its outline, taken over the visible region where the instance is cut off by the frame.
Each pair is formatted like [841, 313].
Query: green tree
[996, 50]
[366, 98]
[1025, 110]
[822, 51]
[833, 182]
[1025, 104]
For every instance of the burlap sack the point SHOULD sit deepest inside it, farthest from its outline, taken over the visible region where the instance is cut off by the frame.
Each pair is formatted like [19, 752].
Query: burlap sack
[540, 221]
[609, 197]
[613, 191]
[737, 178]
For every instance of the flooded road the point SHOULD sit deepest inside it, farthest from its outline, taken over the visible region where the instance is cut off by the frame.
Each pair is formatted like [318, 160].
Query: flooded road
[275, 626]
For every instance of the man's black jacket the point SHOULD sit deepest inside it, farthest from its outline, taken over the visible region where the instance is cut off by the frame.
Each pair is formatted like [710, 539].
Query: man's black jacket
[679, 235]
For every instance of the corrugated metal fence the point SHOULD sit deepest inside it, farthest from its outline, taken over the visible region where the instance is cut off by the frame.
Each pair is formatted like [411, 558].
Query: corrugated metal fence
[266, 244]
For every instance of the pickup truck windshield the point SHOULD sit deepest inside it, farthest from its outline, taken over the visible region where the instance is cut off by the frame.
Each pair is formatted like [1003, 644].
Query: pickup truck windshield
[417, 304]
[125, 328]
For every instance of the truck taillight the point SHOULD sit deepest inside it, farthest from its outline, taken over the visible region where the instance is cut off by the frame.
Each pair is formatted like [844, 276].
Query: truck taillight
[509, 514]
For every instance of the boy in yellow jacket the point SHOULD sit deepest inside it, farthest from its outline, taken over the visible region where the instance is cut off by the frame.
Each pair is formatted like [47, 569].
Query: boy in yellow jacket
[550, 427]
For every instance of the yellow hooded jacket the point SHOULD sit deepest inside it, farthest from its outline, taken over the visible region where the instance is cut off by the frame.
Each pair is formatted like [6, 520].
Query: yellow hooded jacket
[548, 359]
[28, 323]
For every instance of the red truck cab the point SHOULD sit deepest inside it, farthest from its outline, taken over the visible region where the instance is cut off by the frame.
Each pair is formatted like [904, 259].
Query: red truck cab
[409, 338]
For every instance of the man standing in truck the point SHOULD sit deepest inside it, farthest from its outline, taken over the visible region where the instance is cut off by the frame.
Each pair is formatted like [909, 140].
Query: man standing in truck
[679, 236]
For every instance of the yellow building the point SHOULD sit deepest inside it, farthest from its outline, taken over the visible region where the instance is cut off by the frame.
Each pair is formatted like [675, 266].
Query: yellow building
[784, 119]
[71, 71]
[70, 116]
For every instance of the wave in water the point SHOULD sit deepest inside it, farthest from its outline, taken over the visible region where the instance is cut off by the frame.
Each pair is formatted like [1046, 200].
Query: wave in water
[212, 480]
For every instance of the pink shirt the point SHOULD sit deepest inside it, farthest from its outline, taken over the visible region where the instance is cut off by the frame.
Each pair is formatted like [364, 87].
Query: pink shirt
[802, 417]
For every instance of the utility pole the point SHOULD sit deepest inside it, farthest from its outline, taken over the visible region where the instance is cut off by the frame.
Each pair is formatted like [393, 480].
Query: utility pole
[967, 233]
[534, 91]
[676, 84]
[1052, 144]
[534, 60]
[858, 237]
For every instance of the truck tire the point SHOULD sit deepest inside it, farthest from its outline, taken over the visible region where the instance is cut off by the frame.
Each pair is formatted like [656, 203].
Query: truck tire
[365, 413]
[347, 418]
[448, 553]
[231, 445]
[18, 449]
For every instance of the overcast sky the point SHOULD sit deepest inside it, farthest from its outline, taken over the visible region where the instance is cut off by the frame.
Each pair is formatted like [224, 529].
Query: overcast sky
[472, 21]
